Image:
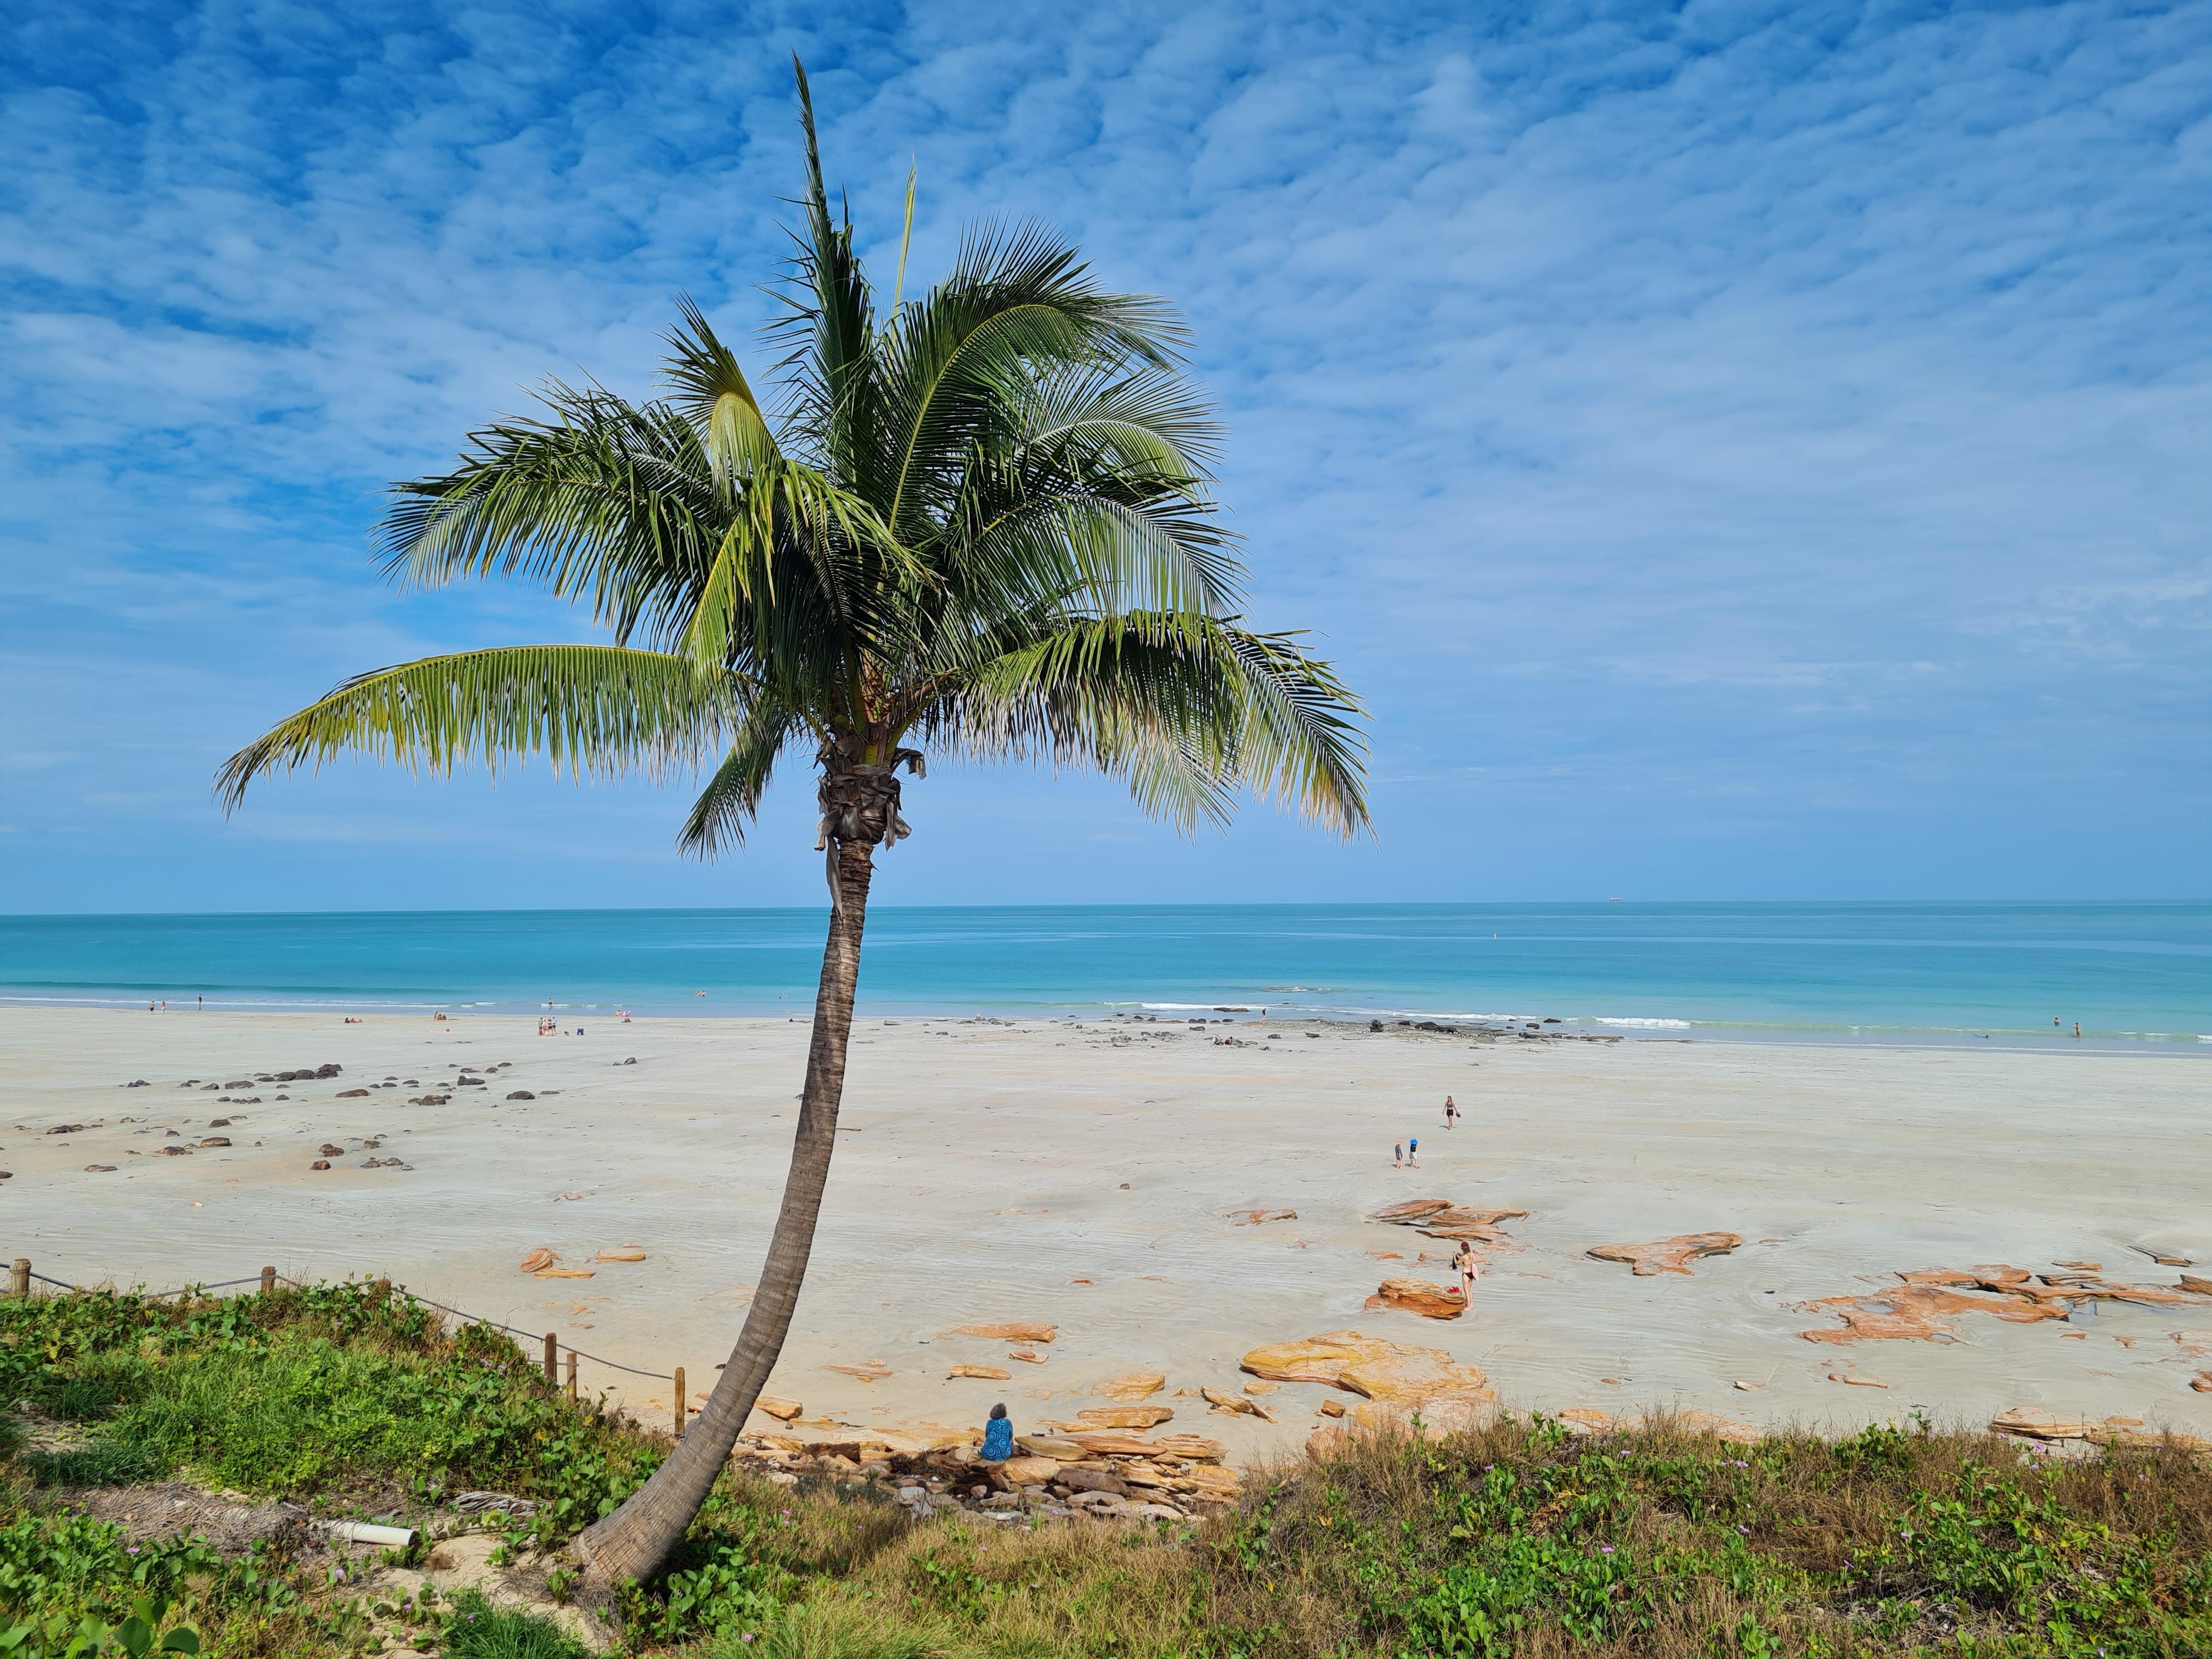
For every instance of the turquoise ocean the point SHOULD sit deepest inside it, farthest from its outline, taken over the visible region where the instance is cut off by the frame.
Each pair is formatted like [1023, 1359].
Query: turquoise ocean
[2138, 975]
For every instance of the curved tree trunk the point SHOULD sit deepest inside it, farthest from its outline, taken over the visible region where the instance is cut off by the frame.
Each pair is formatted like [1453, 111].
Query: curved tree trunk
[635, 1539]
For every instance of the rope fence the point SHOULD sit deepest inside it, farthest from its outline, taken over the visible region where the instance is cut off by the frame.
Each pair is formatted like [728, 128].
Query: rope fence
[21, 1277]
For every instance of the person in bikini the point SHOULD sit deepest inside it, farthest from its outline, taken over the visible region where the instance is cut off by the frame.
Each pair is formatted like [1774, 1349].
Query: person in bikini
[1468, 1269]
[1451, 1112]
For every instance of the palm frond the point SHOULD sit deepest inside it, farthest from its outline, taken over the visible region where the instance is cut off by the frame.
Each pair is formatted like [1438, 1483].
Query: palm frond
[1186, 708]
[588, 709]
[732, 798]
[605, 502]
[713, 392]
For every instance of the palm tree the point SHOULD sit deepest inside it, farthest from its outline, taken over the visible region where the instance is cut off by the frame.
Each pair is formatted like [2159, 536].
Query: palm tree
[979, 528]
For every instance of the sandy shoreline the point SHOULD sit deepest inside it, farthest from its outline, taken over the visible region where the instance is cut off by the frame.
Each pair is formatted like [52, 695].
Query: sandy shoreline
[983, 1177]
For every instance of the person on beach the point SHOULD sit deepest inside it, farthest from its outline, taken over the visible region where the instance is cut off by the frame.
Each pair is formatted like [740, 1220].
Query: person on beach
[1451, 1111]
[1413, 1152]
[1468, 1270]
[1398, 1155]
[997, 1437]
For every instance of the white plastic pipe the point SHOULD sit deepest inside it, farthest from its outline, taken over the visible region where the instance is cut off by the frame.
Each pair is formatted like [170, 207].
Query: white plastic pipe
[360, 1532]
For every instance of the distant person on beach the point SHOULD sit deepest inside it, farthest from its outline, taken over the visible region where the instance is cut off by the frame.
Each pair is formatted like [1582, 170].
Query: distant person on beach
[1451, 1111]
[1398, 1155]
[2077, 1029]
[997, 1437]
[1468, 1270]
[1413, 1152]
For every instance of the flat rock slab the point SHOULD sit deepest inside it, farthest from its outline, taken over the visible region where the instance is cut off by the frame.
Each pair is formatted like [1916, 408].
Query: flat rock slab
[1259, 1218]
[1389, 1374]
[2036, 1424]
[1019, 1330]
[1133, 1387]
[1235, 1404]
[1125, 1417]
[1420, 1297]
[1918, 1313]
[1428, 1212]
[1667, 1255]
[1927, 1299]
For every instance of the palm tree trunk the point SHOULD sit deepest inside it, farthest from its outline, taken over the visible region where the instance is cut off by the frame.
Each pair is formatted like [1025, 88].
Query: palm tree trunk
[637, 1539]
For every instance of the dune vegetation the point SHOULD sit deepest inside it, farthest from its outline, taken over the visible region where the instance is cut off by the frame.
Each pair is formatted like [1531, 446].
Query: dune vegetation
[1520, 1539]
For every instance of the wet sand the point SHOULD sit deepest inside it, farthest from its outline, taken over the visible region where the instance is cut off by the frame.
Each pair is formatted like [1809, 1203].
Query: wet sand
[985, 1170]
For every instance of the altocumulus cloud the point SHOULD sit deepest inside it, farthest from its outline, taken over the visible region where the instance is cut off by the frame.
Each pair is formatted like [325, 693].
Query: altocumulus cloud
[1741, 449]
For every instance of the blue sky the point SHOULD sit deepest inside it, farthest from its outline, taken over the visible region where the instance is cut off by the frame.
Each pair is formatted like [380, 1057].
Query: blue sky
[1738, 450]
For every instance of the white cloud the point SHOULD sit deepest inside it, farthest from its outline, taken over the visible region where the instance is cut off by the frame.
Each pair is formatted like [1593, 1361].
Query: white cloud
[1732, 355]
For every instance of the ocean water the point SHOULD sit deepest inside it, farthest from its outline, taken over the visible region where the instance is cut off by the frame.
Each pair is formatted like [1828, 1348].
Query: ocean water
[2132, 975]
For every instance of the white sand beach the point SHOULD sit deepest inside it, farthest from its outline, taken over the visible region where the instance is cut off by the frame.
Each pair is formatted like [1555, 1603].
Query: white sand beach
[1085, 1175]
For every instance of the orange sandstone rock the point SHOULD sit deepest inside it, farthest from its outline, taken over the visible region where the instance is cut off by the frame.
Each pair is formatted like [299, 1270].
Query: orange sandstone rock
[1019, 1330]
[986, 1373]
[1316, 1358]
[1413, 1210]
[1125, 1417]
[783, 1409]
[1235, 1404]
[1135, 1386]
[1915, 1313]
[868, 1371]
[1388, 1373]
[1258, 1218]
[540, 1257]
[1458, 1215]
[1196, 1447]
[1419, 1295]
[1667, 1255]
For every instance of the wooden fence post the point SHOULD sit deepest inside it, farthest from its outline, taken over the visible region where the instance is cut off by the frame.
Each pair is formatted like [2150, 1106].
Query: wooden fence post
[267, 1281]
[19, 1276]
[572, 1373]
[552, 1359]
[679, 1402]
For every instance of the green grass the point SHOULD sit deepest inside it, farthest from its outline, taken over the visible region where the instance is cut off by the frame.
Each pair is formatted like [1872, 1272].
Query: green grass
[1518, 1543]
[476, 1630]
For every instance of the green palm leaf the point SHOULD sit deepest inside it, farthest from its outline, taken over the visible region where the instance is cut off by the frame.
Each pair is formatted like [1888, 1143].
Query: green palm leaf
[588, 709]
